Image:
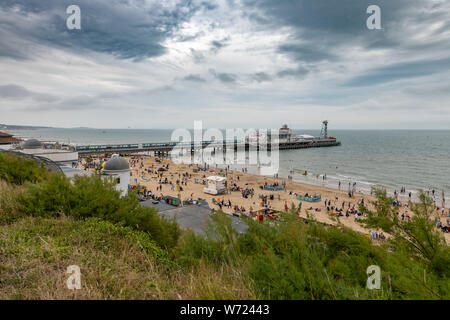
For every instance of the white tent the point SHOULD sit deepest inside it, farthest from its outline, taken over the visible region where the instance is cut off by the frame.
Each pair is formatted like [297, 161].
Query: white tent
[216, 185]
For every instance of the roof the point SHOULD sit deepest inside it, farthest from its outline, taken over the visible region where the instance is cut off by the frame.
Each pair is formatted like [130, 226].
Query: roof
[32, 144]
[72, 172]
[192, 217]
[6, 138]
[116, 163]
[5, 134]
[217, 178]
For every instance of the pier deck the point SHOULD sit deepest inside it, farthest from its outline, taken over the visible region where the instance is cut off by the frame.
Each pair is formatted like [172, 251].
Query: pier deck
[127, 149]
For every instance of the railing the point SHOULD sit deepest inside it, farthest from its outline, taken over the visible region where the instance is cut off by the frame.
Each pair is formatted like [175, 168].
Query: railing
[203, 144]
[94, 148]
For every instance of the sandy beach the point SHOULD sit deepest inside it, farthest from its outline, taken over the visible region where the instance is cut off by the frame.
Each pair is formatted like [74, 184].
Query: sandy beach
[145, 170]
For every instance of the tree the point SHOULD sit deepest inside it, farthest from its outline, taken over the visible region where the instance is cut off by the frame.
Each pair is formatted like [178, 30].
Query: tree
[419, 236]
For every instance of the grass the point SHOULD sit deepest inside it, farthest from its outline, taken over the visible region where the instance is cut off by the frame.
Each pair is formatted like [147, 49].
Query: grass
[116, 263]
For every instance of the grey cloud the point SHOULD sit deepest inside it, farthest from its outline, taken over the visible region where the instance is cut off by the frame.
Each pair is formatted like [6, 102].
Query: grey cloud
[43, 97]
[261, 77]
[299, 72]
[198, 56]
[224, 77]
[127, 30]
[305, 52]
[324, 30]
[194, 78]
[183, 38]
[343, 16]
[80, 102]
[217, 45]
[16, 92]
[12, 91]
[399, 71]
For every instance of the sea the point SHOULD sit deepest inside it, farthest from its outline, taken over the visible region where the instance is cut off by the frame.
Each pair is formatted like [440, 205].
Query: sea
[414, 159]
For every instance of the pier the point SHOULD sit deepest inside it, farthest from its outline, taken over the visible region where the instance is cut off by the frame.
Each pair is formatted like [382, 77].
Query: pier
[165, 148]
[286, 140]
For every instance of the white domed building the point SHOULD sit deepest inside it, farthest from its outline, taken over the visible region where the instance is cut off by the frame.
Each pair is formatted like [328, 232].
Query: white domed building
[119, 169]
[31, 144]
[62, 157]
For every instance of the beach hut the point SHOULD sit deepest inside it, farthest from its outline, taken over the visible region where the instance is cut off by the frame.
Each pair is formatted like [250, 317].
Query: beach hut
[216, 185]
[172, 201]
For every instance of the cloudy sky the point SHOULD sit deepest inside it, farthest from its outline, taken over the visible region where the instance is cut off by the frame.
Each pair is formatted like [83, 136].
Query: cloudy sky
[230, 63]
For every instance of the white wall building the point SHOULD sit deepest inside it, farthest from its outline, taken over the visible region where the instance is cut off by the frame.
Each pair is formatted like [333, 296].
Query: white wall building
[119, 169]
[60, 156]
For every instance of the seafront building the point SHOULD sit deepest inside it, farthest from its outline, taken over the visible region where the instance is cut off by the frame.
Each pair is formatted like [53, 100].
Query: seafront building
[62, 157]
[118, 169]
[52, 156]
[65, 160]
[285, 137]
[7, 141]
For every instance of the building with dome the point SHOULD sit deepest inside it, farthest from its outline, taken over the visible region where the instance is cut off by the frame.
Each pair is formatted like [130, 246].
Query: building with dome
[32, 144]
[62, 157]
[118, 169]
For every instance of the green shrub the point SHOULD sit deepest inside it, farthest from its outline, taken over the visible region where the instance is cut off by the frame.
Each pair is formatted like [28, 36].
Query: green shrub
[95, 197]
[52, 197]
[18, 170]
[298, 260]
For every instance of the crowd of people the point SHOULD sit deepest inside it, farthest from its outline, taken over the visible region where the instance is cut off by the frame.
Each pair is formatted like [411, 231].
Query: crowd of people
[178, 182]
